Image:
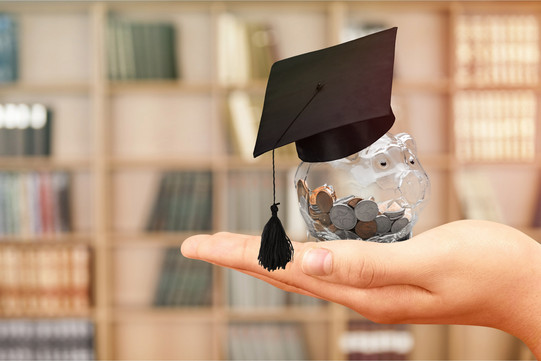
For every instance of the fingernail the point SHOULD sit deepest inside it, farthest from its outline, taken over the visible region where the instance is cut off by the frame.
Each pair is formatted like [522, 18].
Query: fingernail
[189, 247]
[317, 262]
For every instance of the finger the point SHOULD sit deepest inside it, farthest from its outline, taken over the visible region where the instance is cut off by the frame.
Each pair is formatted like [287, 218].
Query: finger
[240, 252]
[370, 264]
[391, 304]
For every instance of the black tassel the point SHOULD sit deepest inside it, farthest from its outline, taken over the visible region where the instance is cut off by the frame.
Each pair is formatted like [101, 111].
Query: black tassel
[276, 249]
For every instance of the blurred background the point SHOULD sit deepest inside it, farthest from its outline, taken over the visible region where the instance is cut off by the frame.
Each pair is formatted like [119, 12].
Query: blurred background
[126, 127]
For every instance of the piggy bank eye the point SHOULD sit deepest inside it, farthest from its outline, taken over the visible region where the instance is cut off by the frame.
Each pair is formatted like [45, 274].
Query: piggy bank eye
[382, 162]
[411, 160]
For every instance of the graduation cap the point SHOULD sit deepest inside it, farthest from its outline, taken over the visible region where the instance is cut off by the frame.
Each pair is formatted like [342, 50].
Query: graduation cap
[332, 103]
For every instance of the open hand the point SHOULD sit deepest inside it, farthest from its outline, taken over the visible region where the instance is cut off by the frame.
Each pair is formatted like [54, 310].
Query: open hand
[466, 272]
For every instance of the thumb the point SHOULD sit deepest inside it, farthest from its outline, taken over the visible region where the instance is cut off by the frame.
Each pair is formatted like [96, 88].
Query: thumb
[366, 264]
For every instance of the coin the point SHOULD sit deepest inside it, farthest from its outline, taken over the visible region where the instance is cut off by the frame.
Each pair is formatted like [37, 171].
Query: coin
[366, 230]
[394, 215]
[384, 224]
[366, 210]
[324, 188]
[314, 211]
[343, 216]
[325, 219]
[344, 200]
[324, 200]
[302, 189]
[399, 224]
[353, 202]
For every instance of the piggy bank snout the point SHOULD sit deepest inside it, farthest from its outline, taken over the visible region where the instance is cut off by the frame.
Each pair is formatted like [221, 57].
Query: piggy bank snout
[413, 186]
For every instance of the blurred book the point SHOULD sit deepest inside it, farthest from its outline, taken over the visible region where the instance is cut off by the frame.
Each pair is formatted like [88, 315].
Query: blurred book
[366, 340]
[246, 50]
[34, 204]
[66, 339]
[183, 202]
[141, 50]
[244, 114]
[183, 282]
[497, 49]
[25, 130]
[9, 49]
[273, 341]
[44, 281]
[495, 125]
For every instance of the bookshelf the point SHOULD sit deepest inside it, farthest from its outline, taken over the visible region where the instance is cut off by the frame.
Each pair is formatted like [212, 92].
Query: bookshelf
[116, 138]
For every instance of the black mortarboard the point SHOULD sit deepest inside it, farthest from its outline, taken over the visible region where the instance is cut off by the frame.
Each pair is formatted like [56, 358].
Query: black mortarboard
[332, 103]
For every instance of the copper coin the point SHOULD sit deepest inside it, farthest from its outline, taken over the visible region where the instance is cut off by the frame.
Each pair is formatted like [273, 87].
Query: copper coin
[314, 211]
[353, 202]
[325, 188]
[324, 201]
[366, 230]
[325, 219]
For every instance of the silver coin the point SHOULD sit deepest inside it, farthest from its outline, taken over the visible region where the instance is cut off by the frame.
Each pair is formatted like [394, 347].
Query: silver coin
[366, 210]
[399, 224]
[343, 216]
[384, 224]
[394, 215]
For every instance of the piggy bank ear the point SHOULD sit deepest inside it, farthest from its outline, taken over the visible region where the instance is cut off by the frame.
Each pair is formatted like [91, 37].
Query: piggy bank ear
[408, 141]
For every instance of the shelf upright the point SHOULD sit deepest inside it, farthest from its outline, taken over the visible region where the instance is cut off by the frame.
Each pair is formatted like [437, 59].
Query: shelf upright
[102, 214]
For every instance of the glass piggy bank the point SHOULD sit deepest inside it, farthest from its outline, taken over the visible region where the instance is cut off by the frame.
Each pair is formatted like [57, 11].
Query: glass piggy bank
[373, 195]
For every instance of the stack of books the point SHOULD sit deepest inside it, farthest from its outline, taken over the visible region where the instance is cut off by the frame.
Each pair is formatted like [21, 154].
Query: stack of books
[495, 125]
[66, 339]
[497, 49]
[25, 130]
[183, 203]
[9, 69]
[246, 50]
[277, 341]
[34, 204]
[183, 282]
[141, 50]
[44, 280]
[365, 340]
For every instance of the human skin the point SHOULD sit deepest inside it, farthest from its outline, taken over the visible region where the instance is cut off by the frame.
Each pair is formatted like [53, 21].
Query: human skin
[465, 272]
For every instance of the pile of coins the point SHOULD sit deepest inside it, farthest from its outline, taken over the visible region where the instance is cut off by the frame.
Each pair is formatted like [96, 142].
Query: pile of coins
[349, 217]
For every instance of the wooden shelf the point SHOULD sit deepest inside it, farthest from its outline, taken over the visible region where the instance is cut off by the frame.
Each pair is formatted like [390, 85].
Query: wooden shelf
[158, 87]
[151, 239]
[163, 314]
[44, 163]
[74, 238]
[183, 163]
[28, 88]
[280, 314]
